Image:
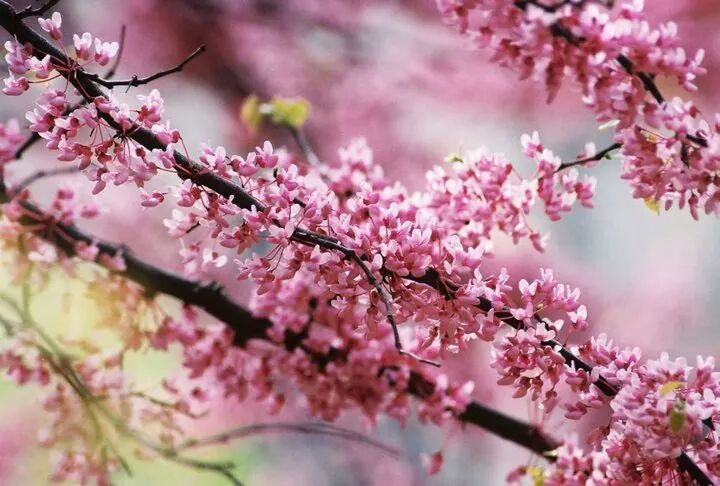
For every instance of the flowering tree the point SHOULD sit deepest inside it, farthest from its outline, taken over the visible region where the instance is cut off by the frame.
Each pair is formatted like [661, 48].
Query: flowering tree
[361, 287]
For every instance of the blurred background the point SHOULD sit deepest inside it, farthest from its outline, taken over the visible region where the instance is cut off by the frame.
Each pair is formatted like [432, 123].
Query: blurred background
[389, 71]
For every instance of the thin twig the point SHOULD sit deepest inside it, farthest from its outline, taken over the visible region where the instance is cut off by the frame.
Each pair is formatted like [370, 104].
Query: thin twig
[301, 428]
[304, 145]
[135, 81]
[36, 176]
[598, 156]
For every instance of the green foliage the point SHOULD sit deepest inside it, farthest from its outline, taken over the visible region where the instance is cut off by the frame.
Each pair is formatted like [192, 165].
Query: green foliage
[291, 112]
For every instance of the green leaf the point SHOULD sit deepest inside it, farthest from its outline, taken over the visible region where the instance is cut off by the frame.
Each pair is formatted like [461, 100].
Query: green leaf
[537, 474]
[677, 419]
[250, 113]
[652, 204]
[289, 111]
[454, 157]
[670, 386]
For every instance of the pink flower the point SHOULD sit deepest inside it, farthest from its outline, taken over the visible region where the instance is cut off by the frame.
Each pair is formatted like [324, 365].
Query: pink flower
[15, 86]
[432, 463]
[83, 45]
[151, 200]
[265, 157]
[52, 25]
[104, 51]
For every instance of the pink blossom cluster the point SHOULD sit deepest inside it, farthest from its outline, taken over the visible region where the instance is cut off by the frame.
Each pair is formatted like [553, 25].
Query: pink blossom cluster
[664, 408]
[315, 289]
[395, 233]
[22, 63]
[614, 56]
[484, 192]
[364, 374]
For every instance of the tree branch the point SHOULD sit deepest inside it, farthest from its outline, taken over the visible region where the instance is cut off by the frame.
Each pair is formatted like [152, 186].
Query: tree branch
[244, 200]
[597, 157]
[36, 12]
[646, 79]
[305, 145]
[211, 298]
[312, 428]
[135, 81]
[41, 174]
[245, 326]
[86, 84]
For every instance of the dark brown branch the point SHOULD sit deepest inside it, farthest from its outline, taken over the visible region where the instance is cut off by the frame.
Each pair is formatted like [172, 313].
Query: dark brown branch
[645, 78]
[305, 145]
[135, 81]
[696, 474]
[598, 156]
[509, 428]
[29, 142]
[188, 292]
[36, 12]
[42, 174]
[240, 197]
[217, 304]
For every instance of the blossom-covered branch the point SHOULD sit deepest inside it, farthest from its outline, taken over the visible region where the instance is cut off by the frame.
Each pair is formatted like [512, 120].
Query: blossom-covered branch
[351, 252]
[245, 326]
[615, 57]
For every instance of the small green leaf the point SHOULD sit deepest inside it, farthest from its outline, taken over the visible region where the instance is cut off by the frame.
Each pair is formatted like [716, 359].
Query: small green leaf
[670, 386]
[289, 111]
[652, 204]
[677, 419]
[250, 113]
[537, 474]
[454, 157]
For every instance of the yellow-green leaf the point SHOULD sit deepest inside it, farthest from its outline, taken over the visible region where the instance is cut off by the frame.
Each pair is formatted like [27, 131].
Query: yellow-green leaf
[677, 419]
[454, 157]
[537, 474]
[289, 111]
[250, 113]
[669, 387]
[652, 204]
